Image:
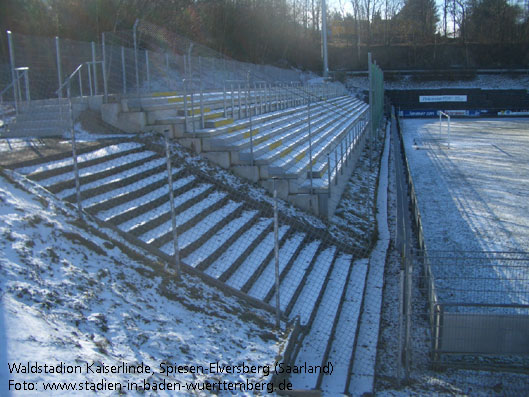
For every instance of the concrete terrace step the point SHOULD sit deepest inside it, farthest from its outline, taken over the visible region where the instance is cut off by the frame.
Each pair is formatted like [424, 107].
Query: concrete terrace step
[315, 346]
[42, 132]
[264, 286]
[297, 162]
[239, 138]
[83, 161]
[221, 241]
[133, 211]
[320, 167]
[191, 201]
[251, 267]
[343, 344]
[99, 171]
[294, 280]
[288, 150]
[313, 287]
[269, 139]
[141, 184]
[194, 237]
[232, 258]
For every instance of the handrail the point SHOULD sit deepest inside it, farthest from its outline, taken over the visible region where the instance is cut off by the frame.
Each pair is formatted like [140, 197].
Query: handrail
[77, 71]
[19, 73]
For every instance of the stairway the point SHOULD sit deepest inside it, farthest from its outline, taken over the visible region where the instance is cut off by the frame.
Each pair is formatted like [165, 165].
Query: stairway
[228, 238]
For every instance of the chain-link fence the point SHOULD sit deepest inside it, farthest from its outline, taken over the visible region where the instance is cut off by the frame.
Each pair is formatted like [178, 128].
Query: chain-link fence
[476, 302]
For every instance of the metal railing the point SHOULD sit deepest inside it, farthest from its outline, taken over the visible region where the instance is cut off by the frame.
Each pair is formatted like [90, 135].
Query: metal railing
[21, 72]
[343, 150]
[90, 67]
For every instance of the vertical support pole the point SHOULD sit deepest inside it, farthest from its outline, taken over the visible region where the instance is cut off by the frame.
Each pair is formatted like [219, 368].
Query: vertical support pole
[105, 83]
[148, 70]
[89, 78]
[94, 66]
[232, 101]
[336, 165]
[440, 125]
[59, 71]
[12, 64]
[123, 70]
[185, 105]
[276, 256]
[370, 110]
[329, 173]
[80, 82]
[193, 106]
[26, 83]
[202, 117]
[74, 155]
[224, 97]
[250, 116]
[136, 55]
[310, 147]
[239, 92]
[173, 212]
[18, 85]
[401, 325]
[448, 131]
[167, 63]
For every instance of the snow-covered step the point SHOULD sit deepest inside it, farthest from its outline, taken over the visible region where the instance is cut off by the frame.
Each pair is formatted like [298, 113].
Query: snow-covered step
[117, 193]
[34, 170]
[293, 161]
[115, 181]
[230, 260]
[155, 223]
[312, 289]
[264, 132]
[292, 283]
[203, 230]
[282, 132]
[206, 253]
[315, 344]
[285, 137]
[101, 170]
[343, 343]
[135, 208]
[261, 254]
[265, 283]
[297, 149]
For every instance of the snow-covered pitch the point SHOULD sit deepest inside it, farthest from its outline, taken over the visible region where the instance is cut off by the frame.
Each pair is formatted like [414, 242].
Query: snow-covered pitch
[472, 189]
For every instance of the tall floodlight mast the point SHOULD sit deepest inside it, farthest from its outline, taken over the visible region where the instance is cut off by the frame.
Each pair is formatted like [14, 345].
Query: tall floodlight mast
[324, 38]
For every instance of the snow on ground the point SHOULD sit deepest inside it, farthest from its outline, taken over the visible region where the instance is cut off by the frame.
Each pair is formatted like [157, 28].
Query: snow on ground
[472, 189]
[363, 368]
[483, 81]
[68, 296]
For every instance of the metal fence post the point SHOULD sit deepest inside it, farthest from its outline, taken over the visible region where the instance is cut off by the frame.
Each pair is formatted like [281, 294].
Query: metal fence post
[74, 154]
[12, 62]
[94, 66]
[136, 54]
[123, 70]
[148, 70]
[59, 71]
[173, 213]
[276, 256]
[310, 146]
[329, 172]
[105, 86]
